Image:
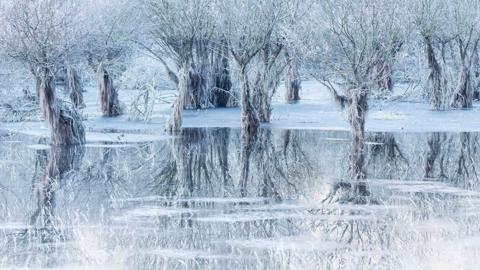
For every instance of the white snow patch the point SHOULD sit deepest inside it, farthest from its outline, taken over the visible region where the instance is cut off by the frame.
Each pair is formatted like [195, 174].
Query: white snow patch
[301, 242]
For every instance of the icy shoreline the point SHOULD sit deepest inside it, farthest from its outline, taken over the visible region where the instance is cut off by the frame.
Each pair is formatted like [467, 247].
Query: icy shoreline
[316, 111]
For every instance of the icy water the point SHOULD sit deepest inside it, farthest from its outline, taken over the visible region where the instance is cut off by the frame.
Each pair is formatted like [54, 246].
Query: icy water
[207, 201]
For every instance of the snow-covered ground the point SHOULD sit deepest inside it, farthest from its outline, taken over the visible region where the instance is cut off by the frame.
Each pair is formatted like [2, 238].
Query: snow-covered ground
[317, 110]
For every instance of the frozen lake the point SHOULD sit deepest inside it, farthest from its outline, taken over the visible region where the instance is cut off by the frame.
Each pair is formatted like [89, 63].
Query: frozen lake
[193, 202]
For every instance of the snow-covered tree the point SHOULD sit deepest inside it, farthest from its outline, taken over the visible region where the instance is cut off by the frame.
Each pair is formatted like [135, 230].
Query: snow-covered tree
[450, 34]
[179, 32]
[248, 26]
[346, 40]
[43, 34]
[466, 21]
[108, 45]
[291, 28]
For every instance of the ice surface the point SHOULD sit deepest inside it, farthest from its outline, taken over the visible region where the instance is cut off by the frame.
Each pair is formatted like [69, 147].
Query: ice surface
[316, 110]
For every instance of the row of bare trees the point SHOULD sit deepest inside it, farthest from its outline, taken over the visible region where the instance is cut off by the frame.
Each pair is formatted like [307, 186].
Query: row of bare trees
[51, 37]
[218, 45]
[198, 38]
[238, 51]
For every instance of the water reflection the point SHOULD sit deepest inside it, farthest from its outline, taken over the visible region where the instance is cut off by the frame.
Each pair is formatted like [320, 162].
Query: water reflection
[209, 199]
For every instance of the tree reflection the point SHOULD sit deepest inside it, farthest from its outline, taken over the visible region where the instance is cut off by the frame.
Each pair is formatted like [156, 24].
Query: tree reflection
[47, 230]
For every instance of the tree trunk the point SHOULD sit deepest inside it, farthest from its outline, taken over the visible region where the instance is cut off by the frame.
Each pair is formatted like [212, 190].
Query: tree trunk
[220, 95]
[74, 87]
[357, 112]
[435, 141]
[198, 94]
[266, 83]
[38, 86]
[250, 120]
[436, 81]
[174, 125]
[109, 102]
[476, 84]
[463, 95]
[65, 124]
[293, 82]
[261, 98]
[385, 82]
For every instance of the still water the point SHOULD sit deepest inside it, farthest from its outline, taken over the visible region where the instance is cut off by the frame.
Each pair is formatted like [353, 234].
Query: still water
[205, 200]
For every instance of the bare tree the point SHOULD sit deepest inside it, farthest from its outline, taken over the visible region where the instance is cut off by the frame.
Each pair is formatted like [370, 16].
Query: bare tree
[296, 11]
[450, 35]
[293, 82]
[222, 81]
[108, 46]
[467, 24]
[74, 87]
[248, 32]
[357, 36]
[42, 34]
[180, 31]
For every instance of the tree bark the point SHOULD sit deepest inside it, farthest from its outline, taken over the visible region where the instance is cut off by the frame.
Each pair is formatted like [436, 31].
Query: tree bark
[197, 96]
[250, 120]
[357, 112]
[385, 82]
[476, 73]
[293, 82]
[74, 87]
[65, 123]
[220, 94]
[435, 79]
[174, 125]
[109, 103]
[463, 97]
[266, 83]
[261, 98]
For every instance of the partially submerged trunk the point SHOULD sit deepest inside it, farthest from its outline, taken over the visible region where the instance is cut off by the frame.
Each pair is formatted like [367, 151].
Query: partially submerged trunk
[109, 103]
[74, 88]
[476, 76]
[250, 120]
[436, 81]
[261, 98]
[384, 68]
[65, 123]
[463, 97]
[220, 94]
[464, 94]
[266, 82]
[293, 82]
[174, 124]
[356, 189]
